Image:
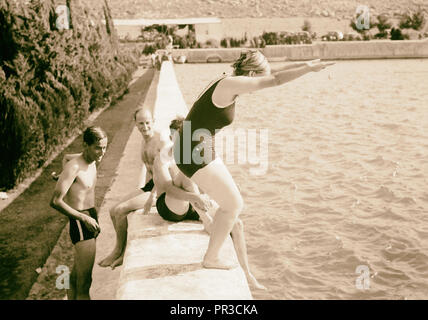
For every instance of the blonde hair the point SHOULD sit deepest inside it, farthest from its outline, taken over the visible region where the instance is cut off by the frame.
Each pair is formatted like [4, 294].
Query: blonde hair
[250, 60]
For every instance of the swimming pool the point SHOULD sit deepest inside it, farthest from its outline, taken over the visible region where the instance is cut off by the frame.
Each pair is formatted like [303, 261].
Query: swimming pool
[341, 209]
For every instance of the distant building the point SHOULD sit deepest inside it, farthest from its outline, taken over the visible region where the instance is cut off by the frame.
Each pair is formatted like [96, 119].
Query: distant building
[205, 28]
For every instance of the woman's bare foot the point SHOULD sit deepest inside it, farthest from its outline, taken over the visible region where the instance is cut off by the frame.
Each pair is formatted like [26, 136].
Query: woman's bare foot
[252, 281]
[110, 259]
[218, 264]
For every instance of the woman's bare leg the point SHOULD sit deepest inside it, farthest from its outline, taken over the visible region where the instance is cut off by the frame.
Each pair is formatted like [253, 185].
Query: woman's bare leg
[217, 182]
[238, 238]
[241, 252]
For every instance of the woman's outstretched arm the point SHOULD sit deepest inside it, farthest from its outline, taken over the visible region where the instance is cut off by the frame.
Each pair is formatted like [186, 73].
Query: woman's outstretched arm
[292, 66]
[228, 88]
[282, 77]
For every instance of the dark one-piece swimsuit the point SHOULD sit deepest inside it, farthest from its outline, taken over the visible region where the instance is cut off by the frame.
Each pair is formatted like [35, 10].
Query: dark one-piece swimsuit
[204, 116]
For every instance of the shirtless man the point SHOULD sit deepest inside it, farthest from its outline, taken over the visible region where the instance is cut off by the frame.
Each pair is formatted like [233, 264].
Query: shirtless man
[152, 144]
[74, 196]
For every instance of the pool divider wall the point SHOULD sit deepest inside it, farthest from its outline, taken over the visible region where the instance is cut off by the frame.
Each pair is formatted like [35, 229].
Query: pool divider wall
[332, 50]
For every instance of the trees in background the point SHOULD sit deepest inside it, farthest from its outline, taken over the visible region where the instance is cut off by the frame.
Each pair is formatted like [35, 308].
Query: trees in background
[410, 20]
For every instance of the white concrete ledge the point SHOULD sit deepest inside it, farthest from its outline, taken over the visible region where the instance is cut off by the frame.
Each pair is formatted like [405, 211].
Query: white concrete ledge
[169, 101]
[163, 259]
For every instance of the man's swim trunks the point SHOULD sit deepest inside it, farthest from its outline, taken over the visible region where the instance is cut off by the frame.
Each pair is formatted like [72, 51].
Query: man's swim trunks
[79, 231]
[168, 215]
[149, 186]
[203, 115]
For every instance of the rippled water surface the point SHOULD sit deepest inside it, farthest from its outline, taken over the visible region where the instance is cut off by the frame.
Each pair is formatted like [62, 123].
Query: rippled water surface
[346, 184]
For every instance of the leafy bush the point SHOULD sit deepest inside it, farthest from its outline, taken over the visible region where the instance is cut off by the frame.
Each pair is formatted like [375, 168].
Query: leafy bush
[415, 20]
[236, 43]
[50, 79]
[157, 37]
[270, 38]
[188, 41]
[382, 25]
[149, 49]
[396, 34]
[212, 43]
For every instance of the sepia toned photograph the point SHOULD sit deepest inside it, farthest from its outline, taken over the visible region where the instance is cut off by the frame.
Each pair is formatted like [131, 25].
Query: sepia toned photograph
[213, 150]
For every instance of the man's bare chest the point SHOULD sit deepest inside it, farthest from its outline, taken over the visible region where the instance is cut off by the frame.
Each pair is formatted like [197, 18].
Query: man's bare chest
[86, 179]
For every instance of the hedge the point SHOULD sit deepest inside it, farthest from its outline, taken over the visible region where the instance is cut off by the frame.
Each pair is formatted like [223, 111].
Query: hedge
[51, 79]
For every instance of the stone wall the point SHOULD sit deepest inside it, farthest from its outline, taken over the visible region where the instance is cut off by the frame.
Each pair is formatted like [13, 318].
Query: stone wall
[348, 50]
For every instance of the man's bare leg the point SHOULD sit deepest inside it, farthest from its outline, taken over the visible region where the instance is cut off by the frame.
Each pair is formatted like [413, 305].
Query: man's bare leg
[84, 262]
[119, 216]
[71, 292]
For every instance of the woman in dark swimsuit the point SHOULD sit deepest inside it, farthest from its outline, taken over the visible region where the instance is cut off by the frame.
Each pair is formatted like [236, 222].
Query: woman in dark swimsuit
[213, 110]
[179, 199]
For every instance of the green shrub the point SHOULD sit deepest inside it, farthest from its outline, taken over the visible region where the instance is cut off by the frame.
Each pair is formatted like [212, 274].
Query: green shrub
[50, 79]
[188, 41]
[148, 49]
[396, 34]
[270, 38]
[366, 37]
[383, 23]
[212, 43]
[415, 20]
